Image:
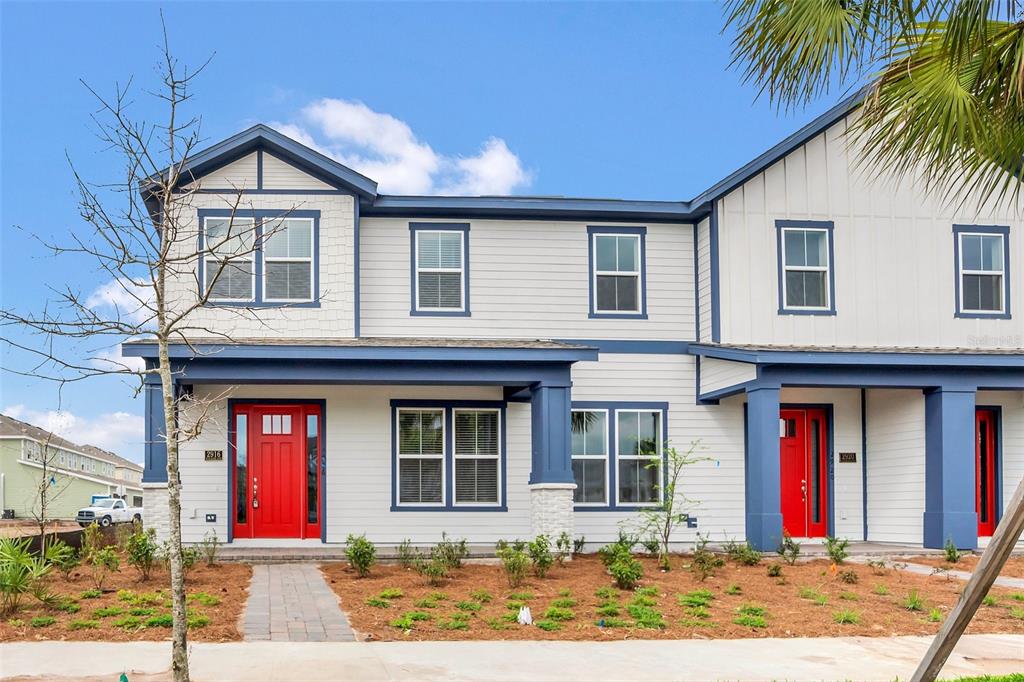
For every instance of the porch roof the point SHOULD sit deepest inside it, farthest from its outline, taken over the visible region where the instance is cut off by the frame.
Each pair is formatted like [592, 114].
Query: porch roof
[862, 355]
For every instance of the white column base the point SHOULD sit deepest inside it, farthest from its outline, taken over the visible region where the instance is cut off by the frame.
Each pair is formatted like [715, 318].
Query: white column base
[551, 509]
[155, 513]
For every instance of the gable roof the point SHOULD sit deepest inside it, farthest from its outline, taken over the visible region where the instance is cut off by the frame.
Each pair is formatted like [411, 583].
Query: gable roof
[15, 428]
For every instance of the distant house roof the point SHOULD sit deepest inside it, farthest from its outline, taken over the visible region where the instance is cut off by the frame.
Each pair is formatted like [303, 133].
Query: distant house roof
[343, 178]
[11, 427]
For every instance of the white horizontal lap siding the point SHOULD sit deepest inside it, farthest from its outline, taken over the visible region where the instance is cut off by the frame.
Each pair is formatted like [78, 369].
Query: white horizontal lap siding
[278, 174]
[715, 486]
[704, 278]
[894, 270]
[1011, 438]
[896, 465]
[847, 484]
[334, 316]
[240, 174]
[526, 279]
[204, 485]
[716, 374]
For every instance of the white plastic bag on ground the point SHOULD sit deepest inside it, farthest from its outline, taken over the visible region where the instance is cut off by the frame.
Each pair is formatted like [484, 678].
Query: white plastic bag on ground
[524, 616]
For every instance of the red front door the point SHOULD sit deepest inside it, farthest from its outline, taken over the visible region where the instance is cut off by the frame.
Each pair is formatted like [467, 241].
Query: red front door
[277, 455]
[803, 451]
[985, 470]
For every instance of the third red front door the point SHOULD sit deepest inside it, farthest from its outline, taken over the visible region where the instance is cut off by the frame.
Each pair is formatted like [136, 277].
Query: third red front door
[803, 451]
[985, 470]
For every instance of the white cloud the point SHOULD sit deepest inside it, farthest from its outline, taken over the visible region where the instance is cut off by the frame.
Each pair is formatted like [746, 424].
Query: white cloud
[109, 359]
[386, 149]
[123, 299]
[119, 432]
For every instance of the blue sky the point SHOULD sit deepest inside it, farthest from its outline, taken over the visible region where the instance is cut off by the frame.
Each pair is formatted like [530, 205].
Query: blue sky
[603, 100]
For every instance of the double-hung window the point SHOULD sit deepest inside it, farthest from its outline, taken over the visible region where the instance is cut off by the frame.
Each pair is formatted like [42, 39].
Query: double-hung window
[638, 455]
[421, 455]
[982, 261]
[617, 272]
[440, 269]
[806, 278]
[590, 456]
[477, 454]
[288, 259]
[229, 258]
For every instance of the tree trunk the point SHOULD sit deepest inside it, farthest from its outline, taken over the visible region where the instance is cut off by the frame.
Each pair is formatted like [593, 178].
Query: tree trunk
[179, 649]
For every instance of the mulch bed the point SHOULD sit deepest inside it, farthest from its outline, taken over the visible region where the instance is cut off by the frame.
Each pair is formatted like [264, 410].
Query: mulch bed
[1014, 567]
[787, 613]
[226, 583]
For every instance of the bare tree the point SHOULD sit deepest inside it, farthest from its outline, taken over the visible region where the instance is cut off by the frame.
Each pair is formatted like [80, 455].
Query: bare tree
[142, 233]
[49, 487]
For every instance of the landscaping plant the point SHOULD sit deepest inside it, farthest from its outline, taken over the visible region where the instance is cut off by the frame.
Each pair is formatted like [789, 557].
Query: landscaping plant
[836, 549]
[951, 553]
[450, 553]
[434, 570]
[407, 554]
[209, 546]
[742, 553]
[627, 571]
[361, 554]
[142, 549]
[578, 544]
[848, 576]
[658, 521]
[21, 574]
[789, 549]
[104, 562]
[774, 570]
[540, 555]
[62, 556]
[704, 562]
[563, 547]
[514, 563]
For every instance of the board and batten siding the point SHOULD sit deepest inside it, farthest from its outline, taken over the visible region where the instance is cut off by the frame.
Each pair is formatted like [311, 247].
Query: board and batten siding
[894, 269]
[526, 279]
[895, 462]
[716, 374]
[704, 278]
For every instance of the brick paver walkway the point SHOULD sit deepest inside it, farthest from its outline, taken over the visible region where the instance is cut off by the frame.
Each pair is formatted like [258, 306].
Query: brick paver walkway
[292, 603]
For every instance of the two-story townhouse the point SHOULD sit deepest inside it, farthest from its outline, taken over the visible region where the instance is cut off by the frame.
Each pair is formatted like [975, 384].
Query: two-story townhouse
[842, 348]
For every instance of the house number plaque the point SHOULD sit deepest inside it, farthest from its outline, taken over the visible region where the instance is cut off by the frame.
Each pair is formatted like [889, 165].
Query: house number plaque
[848, 457]
[214, 455]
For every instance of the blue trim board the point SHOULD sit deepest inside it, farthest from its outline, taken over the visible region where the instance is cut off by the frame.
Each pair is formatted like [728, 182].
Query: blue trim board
[630, 346]
[716, 288]
[259, 216]
[829, 227]
[448, 406]
[259, 169]
[527, 208]
[355, 271]
[231, 448]
[641, 232]
[414, 309]
[612, 448]
[155, 469]
[766, 356]
[949, 504]
[696, 283]
[864, 459]
[550, 434]
[1002, 230]
[762, 469]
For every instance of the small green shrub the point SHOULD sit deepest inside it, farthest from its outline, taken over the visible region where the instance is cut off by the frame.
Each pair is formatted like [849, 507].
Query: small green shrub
[90, 594]
[482, 596]
[612, 623]
[548, 625]
[42, 621]
[695, 598]
[752, 616]
[361, 554]
[557, 613]
[564, 602]
[1017, 596]
[496, 624]
[578, 544]
[604, 593]
[848, 576]
[107, 611]
[164, 620]
[514, 604]
[734, 589]
[846, 617]
[425, 603]
[812, 594]
[565, 592]
[453, 623]
[434, 570]
[104, 562]
[701, 612]
[68, 606]
[521, 596]
[989, 600]
[450, 553]
[652, 545]
[540, 555]
[643, 600]
[646, 617]
[205, 598]
[836, 549]
[563, 548]
[627, 572]
[849, 596]
[471, 606]
[16, 623]
[391, 593]
[409, 618]
[704, 563]
[514, 562]
[1017, 612]
[141, 611]
[63, 557]
[950, 552]
[789, 549]
[935, 616]
[774, 570]
[881, 590]
[128, 623]
[913, 602]
[752, 610]
[743, 553]
[84, 624]
[197, 620]
[379, 603]
[622, 547]
[608, 609]
[407, 554]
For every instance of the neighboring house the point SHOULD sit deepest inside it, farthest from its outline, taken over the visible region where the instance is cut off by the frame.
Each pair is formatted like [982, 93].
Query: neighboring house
[75, 473]
[844, 349]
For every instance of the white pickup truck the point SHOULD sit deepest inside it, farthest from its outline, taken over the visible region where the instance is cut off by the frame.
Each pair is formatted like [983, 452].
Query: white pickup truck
[108, 511]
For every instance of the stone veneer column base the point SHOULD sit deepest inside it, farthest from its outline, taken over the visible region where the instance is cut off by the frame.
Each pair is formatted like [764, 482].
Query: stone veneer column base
[551, 509]
[154, 509]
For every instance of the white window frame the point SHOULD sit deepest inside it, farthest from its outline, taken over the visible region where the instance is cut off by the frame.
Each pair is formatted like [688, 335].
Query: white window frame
[1001, 272]
[210, 257]
[827, 269]
[659, 457]
[456, 456]
[608, 415]
[638, 273]
[288, 259]
[460, 270]
[399, 457]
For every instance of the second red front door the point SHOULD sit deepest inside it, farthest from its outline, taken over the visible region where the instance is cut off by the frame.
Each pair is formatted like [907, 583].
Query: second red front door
[803, 451]
[985, 470]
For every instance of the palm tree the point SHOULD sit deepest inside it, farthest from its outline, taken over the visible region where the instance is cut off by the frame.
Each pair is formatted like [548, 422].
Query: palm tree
[945, 91]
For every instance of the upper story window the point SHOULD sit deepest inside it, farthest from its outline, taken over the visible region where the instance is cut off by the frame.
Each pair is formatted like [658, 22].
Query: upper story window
[440, 268]
[806, 276]
[983, 271]
[617, 272]
[260, 258]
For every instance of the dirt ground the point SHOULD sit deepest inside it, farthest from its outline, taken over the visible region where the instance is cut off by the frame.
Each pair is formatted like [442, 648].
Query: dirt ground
[227, 583]
[787, 613]
[16, 528]
[1014, 567]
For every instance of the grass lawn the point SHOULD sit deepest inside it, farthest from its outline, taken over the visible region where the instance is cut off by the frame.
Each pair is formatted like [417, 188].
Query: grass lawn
[127, 609]
[580, 602]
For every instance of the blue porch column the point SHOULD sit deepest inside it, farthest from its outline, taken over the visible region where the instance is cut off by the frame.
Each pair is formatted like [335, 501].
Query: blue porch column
[155, 470]
[949, 504]
[762, 470]
[550, 408]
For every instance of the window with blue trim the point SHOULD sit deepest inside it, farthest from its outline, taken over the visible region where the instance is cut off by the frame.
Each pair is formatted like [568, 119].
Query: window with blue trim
[440, 269]
[229, 258]
[983, 263]
[421, 455]
[617, 277]
[806, 278]
[590, 456]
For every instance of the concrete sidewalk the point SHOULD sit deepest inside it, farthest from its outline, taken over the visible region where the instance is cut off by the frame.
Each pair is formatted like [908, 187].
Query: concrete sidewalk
[848, 658]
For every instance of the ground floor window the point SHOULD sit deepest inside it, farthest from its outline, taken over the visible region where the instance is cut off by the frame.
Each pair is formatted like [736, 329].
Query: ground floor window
[617, 454]
[448, 455]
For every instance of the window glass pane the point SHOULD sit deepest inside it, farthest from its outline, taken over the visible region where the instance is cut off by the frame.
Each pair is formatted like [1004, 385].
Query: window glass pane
[637, 481]
[628, 425]
[241, 468]
[629, 254]
[606, 253]
[589, 475]
[420, 432]
[229, 238]
[476, 433]
[289, 280]
[970, 246]
[795, 247]
[983, 292]
[983, 471]
[476, 480]
[992, 253]
[289, 238]
[232, 281]
[588, 433]
[648, 432]
[419, 480]
[805, 289]
[813, 476]
[439, 249]
[440, 290]
[617, 293]
[312, 460]
[286, 424]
